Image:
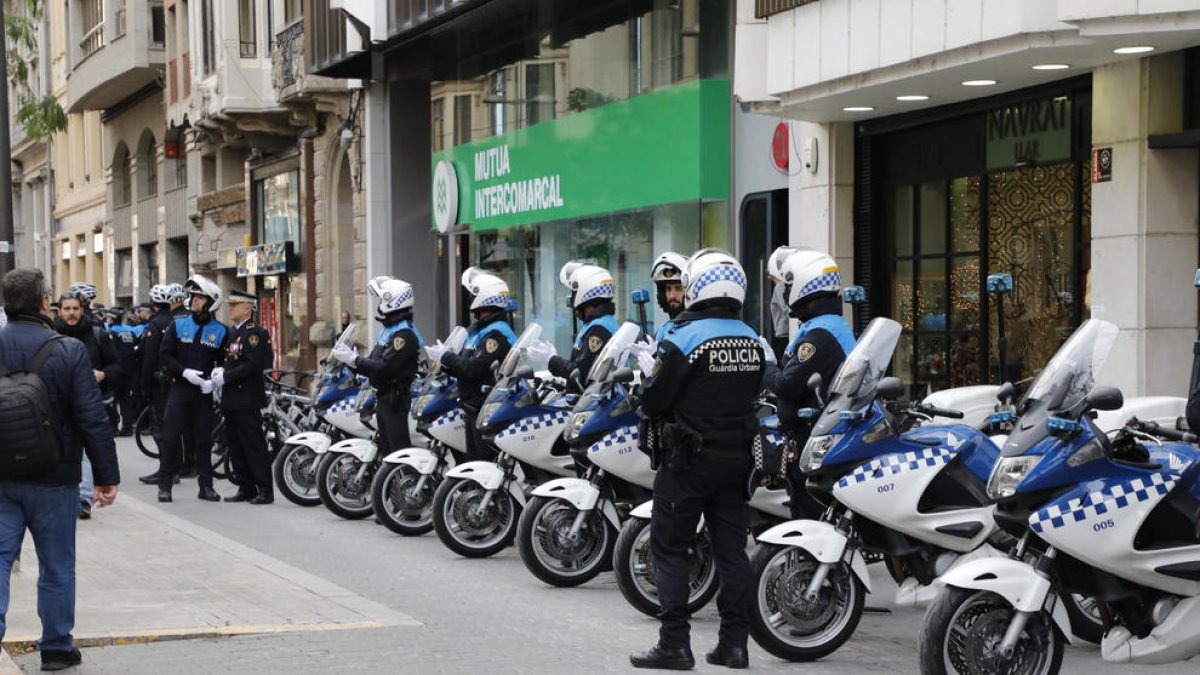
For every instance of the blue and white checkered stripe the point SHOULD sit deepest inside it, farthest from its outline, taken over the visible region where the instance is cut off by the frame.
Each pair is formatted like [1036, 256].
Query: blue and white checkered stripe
[494, 301]
[602, 291]
[828, 281]
[535, 424]
[451, 417]
[718, 274]
[404, 297]
[342, 406]
[1100, 502]
[892, 465]
[622, 436]
[775, 438]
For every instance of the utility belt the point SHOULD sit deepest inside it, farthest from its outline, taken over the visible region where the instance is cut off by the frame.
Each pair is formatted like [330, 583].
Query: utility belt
[673, 444]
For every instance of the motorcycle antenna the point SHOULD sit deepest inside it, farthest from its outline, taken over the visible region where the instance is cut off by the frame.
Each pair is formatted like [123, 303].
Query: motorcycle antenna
[1001, 285]
[1192, 411]
[640, 298]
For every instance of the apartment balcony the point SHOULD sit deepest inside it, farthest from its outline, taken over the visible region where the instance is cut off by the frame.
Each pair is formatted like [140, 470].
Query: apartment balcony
[117, 49]
[290, 68]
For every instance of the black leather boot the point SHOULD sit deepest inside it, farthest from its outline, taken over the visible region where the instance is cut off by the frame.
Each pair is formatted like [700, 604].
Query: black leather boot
[730, 657]
[664, 658]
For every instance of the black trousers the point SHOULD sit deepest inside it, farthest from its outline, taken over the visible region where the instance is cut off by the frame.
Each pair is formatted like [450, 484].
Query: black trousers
[477, 449]
[713, 485]
[391, 418]
[187, 418]
[248, 451]
[158, 401]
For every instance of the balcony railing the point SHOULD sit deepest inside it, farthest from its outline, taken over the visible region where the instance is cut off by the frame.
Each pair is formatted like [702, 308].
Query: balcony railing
[765, 8]
[286, 45]
[91, 19]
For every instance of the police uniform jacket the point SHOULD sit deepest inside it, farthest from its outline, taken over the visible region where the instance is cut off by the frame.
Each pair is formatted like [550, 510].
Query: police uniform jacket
[820, 346]
[488, 342]
[189, 344]
[126, 339]
[592, 337]
[392, 364]
[151, 346]
[707, 375]
[246, 357]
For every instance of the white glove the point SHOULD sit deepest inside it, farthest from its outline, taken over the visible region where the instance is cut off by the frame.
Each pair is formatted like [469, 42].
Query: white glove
[194, 376]
[768, 351]
[217, 377]
[345, 354]
[206, 387]
[646, 361]
[541, 351]
[646, 346]
[436, 351]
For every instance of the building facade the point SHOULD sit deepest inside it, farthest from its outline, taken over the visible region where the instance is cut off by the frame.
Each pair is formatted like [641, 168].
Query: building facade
[1053, 141]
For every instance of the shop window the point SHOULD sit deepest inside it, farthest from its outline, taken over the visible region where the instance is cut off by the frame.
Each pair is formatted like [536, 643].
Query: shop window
[278, 217]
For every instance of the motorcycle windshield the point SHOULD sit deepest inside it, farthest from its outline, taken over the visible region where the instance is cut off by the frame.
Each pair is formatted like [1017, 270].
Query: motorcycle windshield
[346, 339]
[454, 344]
[614, 353]
[517, 355]
[854, 384]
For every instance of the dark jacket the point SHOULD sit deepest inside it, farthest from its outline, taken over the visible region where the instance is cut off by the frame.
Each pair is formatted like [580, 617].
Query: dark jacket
[707, 375]
[100, 348]
[592, 338]
[392, 364]
[189, 344]
[248, 355]
[80, 417]
[488, 342]
[151, 350]
[816, 351]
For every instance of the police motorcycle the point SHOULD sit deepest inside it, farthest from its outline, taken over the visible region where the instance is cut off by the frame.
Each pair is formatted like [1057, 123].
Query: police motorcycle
[1115, 518]
[478, 504]
[568, 528]
[337, 416]
[402, 490]
[346, 468]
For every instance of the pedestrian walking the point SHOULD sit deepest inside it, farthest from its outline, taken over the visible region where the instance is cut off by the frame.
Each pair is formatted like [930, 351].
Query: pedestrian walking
[700, 397]
[44, 500]
[240, 379]
[191, 347]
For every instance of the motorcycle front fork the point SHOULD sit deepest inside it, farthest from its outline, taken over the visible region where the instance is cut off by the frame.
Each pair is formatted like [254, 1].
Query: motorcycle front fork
[843, 524]
[1043, 563]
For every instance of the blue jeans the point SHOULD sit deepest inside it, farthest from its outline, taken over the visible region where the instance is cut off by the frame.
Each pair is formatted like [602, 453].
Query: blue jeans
[50, 514]
[88, 485]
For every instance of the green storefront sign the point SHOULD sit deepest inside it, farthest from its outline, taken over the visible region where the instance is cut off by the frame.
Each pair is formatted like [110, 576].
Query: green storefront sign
[658, 148]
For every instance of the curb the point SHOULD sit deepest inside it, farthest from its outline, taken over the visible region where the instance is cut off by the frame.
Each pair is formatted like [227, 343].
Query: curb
[7, 667]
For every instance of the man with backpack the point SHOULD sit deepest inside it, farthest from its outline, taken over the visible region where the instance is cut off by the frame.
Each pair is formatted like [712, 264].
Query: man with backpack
[50, 414]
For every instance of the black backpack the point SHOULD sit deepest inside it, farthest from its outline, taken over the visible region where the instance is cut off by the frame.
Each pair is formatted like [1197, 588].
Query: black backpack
[27, 424]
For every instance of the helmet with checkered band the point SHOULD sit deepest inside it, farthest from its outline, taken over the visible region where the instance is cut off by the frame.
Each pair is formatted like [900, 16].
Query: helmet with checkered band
[713, 275]
[161, 294]
[486, 289]
[199, 285]
[568, 270]
[393, 294]
[808, 273]
[178, 293]
[668, 268]
[590, 283]
[85, 293]
[779, 256]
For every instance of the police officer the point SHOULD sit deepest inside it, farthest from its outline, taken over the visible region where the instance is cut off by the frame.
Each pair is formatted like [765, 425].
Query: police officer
[240, 379]
[813, 283]
[592, 290]
[489, 338]
[667, 273]
[164, 299]
[392, 364]
[126, 337]
[191, 347]
[701, 387]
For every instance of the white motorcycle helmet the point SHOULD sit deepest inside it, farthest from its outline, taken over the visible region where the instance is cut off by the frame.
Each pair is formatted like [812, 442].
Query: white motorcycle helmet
[393, 294]
[199, 285]
[178, 293]
[590, 283]
[713, 274]
[778, 257]
[161, 294]
[810, 272]
[486, 289]
[668, 267]
[567, 271]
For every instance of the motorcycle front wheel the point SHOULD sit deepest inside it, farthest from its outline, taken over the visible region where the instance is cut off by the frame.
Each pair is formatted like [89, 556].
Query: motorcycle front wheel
[963, 629]
[401, 501]
[633, 565]
[341, 492]
[468, 528]
[295, 470]
[549, 551]
[783, 621]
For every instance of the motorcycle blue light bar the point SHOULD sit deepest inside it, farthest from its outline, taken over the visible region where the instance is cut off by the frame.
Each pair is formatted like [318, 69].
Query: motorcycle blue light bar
[807, 413]
[640, 296]
[513, 305]
[1002, 417]
[999, 283]
[1059, 425]
[854, 294]
[849, 415]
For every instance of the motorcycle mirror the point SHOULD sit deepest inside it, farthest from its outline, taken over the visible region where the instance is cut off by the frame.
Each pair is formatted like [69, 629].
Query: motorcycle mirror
[1105, 398]
[525, 372]
[816, 384]
[623, 375]
[1181, 424]
[1006, 393]
[577, 379]
[890, 388]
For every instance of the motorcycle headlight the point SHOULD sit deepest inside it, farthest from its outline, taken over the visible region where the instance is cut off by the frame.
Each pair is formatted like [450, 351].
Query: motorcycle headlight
[420, 404]
[575, 424]
[815, 450]
[1009, 473]
[485, 414]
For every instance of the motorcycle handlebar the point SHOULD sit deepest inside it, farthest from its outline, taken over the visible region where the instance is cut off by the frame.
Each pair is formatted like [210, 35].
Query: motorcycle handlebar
[1156, 429]
[933, 411]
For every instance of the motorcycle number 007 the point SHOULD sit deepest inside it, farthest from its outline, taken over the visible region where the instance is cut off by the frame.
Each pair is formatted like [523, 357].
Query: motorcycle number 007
[1104, 525]
[886, 488]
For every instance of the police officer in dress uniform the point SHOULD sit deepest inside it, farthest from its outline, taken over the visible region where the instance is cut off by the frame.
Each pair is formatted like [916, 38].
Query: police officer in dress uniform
[489, 338]
[240, 379]
[820, 346]
[165, 299]
[392, 364]
[191, 347]
[702, 384]
[592, 290]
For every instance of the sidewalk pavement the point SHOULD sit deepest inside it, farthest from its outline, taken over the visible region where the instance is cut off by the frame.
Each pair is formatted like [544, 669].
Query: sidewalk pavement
[145, 575]
[7, 667]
